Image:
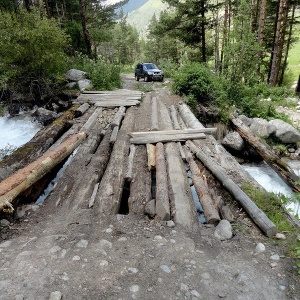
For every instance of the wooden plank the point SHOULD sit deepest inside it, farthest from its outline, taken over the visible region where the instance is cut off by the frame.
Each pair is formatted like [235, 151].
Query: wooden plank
[106, 98]
[114, 135]
[115, 103]
[257, 215]
[81, 110]
[128, 175]
[169, 135]
[151, 156]
[118, 117]
[174, 118]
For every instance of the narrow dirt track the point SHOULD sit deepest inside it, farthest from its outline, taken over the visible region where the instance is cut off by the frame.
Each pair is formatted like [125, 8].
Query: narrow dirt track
[67, 250]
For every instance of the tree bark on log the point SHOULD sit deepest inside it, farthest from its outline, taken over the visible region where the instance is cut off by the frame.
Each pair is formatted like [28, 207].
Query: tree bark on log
[162, 192]
[140, 186]
[114, 135]
[109, 194]
[81, 110]
[37, 145]
[209, 209]
[265, 151]
[250, 207]
[128, 176]
[26, 177]
[174, 118]
[118, 117]
[154, 114]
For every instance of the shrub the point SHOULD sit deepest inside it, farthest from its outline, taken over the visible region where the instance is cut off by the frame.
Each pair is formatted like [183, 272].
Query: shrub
[31, 51]
[104, 76]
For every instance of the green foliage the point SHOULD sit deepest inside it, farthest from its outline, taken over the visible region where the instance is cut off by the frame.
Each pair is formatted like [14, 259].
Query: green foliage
[31, 50]
[104, 76]
[271, 205]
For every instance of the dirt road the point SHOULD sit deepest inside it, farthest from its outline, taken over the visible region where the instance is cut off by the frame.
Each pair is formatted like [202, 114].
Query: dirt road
[64, 252]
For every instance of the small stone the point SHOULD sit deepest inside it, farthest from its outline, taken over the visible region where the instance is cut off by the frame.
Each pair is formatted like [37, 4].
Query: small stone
[223, 230]
[165, 268]
[280, 236]
[260, 248]
[5, 244]
[158, 237]
[275, 257]
[76, 257]
[195, 294]
[170, 224]
[184, 287]
[4, 223]
[282, 282]
[105, 244]
[109, 230]
[133, 270]
[205, 276]
[82, 244]
[35, 207]
[273, 264]
[103, 263]
[134, 288]
[150, 208]
[55, 295]
[122, 239]
[282, 288]
[241, 279]
[54, 249]
[222, 295]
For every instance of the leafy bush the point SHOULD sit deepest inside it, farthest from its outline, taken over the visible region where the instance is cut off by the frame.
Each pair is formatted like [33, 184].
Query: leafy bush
[104, 76]
[31, 51]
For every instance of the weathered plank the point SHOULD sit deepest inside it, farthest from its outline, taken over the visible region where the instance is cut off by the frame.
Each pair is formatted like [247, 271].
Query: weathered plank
[150, 137]
[118, 117]
[174, 118]
[151, 156]
[128, 175]
[81, 110]
[114, 135]
[115, 103]
[154, 114]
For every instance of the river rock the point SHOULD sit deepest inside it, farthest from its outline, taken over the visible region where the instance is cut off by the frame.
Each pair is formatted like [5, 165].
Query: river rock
[285, 132]
[75, 75]
[233, 141]
[150, 208]
[4, 223]
[223, 230]
[247, 121]
[71, 85]
[260, 248]
[262, 127]
[83, 84]
[45, 116]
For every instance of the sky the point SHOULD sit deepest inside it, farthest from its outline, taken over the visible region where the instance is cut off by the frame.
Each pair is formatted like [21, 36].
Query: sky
[108, 2]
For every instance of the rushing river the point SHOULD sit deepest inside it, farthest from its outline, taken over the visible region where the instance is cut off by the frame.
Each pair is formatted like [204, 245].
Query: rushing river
[16, 131]
[269, 179]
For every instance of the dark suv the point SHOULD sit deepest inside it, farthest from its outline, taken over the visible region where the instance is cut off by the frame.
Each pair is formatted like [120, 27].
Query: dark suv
[148, 71]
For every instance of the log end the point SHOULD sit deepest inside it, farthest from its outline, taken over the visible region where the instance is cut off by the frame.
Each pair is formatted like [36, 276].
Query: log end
[270, 232]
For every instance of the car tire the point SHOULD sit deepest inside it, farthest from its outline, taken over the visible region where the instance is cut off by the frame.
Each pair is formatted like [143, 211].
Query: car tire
[147, 78]
[137, 78]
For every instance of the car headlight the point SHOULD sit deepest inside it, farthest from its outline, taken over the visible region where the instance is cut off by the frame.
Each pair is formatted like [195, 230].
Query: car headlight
[150, 73]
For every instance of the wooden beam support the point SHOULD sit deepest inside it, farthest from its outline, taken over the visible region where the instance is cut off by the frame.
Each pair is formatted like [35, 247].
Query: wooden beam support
[154, 114]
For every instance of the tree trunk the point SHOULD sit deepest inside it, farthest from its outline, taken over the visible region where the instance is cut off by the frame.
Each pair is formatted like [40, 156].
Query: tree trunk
[265, 151]
[254, 212]
[225, 32]
[86, 34]
[261, 29]
[203, 25]
[13, 186]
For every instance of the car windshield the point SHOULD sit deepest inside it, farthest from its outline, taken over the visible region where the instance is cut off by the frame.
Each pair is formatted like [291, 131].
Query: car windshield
[150, 66]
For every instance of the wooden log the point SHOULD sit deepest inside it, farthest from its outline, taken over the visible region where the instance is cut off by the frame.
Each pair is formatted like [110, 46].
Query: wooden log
[174, 118]
[154, 114]
[210, 212]
[118, 117]
[114, 135]
[150, 137]
[181, 151]
[37, 145]
[151, 156]
[110, 191]
[258, 216]
[96, 98]
[180, 193]
[92, 199]
[266, 152]
[128, 176]
[13, 186]
[162, 192]
[140, 186]
[188, 117]
[114, 92]
[114, 103]
[81, 110]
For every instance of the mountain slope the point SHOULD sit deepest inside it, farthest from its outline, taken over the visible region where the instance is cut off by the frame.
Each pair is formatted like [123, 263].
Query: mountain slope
[133, 5]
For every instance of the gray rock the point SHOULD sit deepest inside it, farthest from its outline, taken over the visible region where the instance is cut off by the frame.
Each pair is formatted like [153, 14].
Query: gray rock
[293, 100]
[83, 84]
[170, 224]
[223, 230]
[82, 244]
[241, 279]
[247, 121]
[133, 270]
[45, 116]
[4, 223]
[71, 85]
[165, 268]
[262, 128]
[260, 248]
[150, 209]
[75, 75]
[55, 295]
[233, 141]
[275, 257]
[285, 132]
[280, 236]
[134, 288]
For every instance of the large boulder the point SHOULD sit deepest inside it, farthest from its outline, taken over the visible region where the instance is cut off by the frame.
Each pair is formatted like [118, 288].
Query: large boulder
[262, 127]
[247, 121]
[233, 141]
[285, 132]
[83, 84]
[75, 75]
[45, 116]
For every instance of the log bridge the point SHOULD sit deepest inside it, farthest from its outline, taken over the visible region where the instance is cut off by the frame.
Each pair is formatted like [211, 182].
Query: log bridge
[132, 150]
